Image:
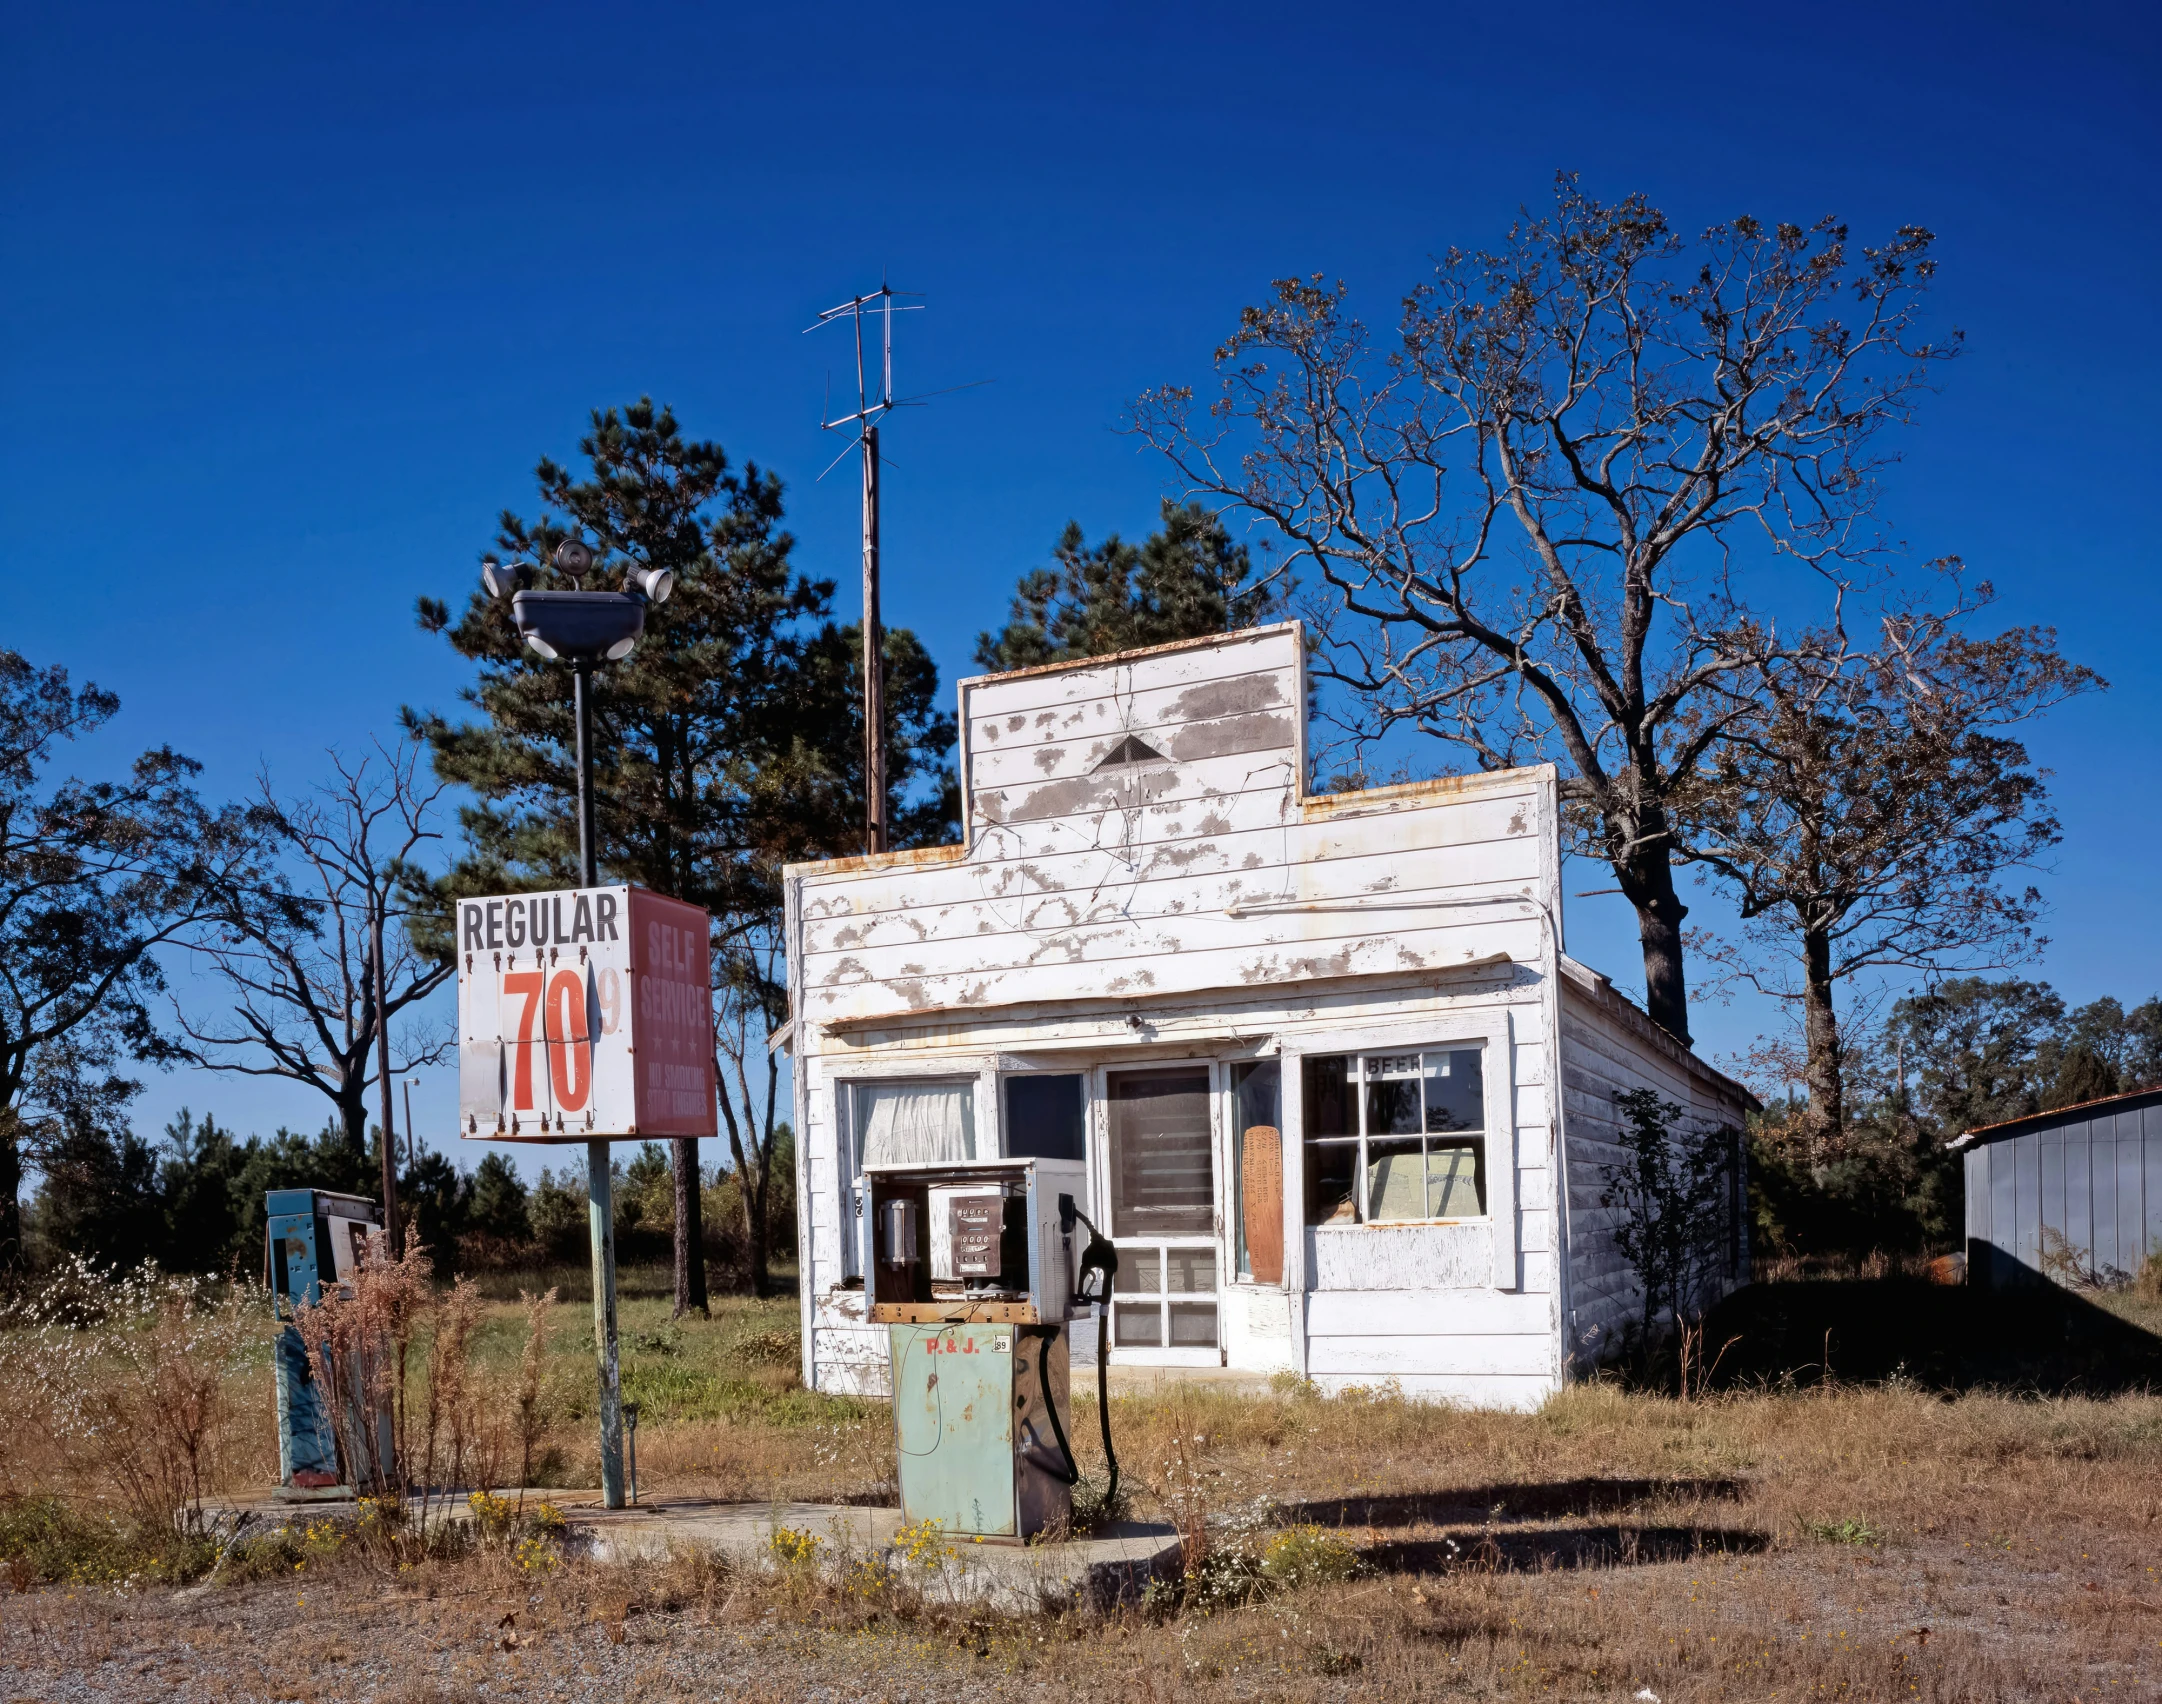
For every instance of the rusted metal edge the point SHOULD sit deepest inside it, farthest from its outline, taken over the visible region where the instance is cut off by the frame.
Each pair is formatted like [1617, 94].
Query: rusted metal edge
[2040, 1120]
[955, 1313]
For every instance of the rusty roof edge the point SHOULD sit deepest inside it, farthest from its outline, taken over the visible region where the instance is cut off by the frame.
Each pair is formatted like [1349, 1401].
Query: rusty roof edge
[1599, 986]
[2007, 1126]
[1323, 805]
[951, 853]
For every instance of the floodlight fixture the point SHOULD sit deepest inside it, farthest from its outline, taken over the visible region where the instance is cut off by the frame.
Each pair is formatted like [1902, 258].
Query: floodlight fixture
[574, 556]
[655, 583]
[505, 580]
[582, 627]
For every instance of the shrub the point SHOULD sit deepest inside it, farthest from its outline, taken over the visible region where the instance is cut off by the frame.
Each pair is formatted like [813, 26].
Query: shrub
[131, 1380]
[1307, 1555]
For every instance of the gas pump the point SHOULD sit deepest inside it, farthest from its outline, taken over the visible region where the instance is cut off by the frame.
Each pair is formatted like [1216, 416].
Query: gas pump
[973, 1276]
[315, 1237]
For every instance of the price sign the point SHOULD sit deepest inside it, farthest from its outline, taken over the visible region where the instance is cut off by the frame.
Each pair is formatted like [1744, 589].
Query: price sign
[584, 1013]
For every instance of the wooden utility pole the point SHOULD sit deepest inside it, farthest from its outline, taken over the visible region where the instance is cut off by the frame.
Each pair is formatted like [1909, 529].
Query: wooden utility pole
[391, 1227]
[870, 409]
[875, 837]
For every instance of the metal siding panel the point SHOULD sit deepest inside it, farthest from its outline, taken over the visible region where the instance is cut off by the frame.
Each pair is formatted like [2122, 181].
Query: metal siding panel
[2026, 1217]
[2077, 1220]
[2058, 1172]
[2130, 1217]
[2151, 1167]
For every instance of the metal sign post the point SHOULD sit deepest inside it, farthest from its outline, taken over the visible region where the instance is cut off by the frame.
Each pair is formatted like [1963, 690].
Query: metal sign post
[586, 1015]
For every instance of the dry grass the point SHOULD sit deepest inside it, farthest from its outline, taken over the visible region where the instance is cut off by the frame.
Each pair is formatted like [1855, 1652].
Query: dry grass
[1867, 1542]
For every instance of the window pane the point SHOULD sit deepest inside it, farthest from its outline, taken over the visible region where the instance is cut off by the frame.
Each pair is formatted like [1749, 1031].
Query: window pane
[1456, 1180]
[1162, 1179]
[1395, 1180]
[1191, 1270]
[1193, 1324]
[1330, 1170]
[1257, 1171]
[1392, 1106]
[1137, 1327]
[1327, 1086]
[898, 1123]
[1140, 1272]
[1330, 1110]
[1043, 1117]
[1455, 1091]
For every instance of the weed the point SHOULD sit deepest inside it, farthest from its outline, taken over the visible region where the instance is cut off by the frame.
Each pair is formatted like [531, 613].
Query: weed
[794, 1550]
[130, 1380]
[1849, 1531]
[1307, 1555]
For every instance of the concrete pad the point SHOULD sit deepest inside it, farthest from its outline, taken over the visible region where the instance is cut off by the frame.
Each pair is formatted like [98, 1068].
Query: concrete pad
[1099, 1570]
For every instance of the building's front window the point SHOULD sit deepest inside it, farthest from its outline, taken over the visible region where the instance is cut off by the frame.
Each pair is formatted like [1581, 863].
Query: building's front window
[1257, 1171]
[1047, 1116]
[899, 1123]
[1163, 1208]
[1392, 1137]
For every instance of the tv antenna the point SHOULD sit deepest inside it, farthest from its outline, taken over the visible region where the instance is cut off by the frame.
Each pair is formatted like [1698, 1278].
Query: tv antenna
[871, 407]
[873, 403]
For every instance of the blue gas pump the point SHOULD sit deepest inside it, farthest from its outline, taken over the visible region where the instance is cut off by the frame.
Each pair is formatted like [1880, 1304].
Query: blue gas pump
[314, 1238]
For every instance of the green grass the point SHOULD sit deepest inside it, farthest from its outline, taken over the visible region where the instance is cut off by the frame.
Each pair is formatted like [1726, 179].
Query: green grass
[43, 1541]
[740, 1365]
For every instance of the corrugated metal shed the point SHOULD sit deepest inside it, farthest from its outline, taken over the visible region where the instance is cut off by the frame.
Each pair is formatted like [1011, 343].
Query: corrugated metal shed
[2068, 1194]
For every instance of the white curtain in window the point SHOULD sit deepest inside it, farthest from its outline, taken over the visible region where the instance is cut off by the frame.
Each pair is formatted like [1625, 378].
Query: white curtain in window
[902, 1123]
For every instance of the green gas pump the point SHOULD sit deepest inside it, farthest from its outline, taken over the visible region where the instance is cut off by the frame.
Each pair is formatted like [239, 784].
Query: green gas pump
[972, 1275]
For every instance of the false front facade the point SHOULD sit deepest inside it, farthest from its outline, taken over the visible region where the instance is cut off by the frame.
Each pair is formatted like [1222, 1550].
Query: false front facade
[1342, 1099]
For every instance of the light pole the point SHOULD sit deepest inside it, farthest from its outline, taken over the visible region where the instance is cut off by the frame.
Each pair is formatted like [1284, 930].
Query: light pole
[583, 628]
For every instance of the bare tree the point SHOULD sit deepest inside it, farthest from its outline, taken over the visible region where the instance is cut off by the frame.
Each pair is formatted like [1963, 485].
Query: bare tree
[301, 960]
[1535, 514]
[1862, 811]
[751, 1003]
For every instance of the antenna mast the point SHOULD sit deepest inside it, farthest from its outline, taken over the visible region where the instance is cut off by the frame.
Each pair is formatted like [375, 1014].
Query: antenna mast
[871, 408]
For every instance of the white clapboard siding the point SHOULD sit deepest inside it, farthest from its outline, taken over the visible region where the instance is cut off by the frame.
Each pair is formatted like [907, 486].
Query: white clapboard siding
[982, 898]
[1608, 1046]
[1087, 964]
[1439, 1355]
[1520, 1393]
[1107, 938]
[1063, 688]
[1400, 1257]
[1427, 1313]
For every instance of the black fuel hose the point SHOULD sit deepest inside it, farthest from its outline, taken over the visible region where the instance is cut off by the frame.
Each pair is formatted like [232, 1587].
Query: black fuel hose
[1072, 1475]
[1103, 1398]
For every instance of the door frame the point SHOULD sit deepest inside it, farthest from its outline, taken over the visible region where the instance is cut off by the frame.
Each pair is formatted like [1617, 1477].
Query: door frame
[1098, 1129]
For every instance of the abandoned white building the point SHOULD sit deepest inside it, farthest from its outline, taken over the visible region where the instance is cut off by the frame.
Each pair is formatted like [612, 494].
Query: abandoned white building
[1342, 1096]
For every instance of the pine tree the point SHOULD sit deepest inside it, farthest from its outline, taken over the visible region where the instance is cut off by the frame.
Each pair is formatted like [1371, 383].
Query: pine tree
[726, 744]
[1188, 579]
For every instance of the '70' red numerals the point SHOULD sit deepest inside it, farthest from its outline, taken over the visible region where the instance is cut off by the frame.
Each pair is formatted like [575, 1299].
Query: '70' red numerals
[560, 1001]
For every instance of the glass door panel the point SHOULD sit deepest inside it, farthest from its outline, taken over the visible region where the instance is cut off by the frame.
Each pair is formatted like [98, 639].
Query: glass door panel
[1162, 1170]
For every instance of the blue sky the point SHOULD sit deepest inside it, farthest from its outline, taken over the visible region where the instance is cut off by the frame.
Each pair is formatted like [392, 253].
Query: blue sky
[295, 295]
